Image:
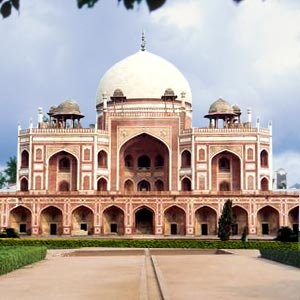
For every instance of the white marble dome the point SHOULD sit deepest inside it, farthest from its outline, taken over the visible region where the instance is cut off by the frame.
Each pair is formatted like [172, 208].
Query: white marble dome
[143, 75]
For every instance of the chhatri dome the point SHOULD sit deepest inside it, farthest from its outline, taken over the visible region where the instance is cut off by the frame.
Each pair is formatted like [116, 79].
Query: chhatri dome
[143, 75]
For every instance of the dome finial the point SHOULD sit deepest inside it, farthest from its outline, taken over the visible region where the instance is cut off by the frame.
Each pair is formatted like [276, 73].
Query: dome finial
[143, 43]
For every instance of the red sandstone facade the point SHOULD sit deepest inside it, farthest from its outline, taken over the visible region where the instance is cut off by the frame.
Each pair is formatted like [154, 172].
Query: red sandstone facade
[144, 169]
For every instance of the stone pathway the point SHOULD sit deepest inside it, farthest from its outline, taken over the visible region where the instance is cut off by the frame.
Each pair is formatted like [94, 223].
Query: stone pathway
[132, 274]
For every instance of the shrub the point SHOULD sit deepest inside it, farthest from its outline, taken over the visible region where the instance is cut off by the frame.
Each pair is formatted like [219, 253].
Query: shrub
[69, 243]
[12, 258]
[287, 257]
[3, 234]
[11, 233]
[286, 234]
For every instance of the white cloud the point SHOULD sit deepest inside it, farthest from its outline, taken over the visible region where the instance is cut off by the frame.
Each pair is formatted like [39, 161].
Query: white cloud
[270, 33]
[290, 162]
[183, 16]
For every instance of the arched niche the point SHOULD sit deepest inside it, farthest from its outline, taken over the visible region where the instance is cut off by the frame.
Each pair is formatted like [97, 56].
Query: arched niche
[113, 220]
[174, 221]
[205, 221]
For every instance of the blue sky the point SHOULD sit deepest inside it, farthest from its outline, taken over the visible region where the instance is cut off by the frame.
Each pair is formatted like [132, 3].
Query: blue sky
[249, 54]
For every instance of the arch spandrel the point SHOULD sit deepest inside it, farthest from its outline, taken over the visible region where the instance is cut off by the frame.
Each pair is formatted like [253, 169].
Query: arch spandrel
[161, 133]
[72, 149]
[214, 150]
[275, 206]
[182, 206]
[151, 206]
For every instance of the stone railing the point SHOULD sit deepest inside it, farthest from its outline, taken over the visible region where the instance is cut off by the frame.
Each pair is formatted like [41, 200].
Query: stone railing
[62, 130]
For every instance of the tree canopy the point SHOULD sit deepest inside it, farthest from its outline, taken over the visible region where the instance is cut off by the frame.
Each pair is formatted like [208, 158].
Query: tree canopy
[9, 175]
[8, 5]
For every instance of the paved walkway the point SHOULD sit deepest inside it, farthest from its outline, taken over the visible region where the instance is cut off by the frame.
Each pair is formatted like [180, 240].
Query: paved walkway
[115, 274]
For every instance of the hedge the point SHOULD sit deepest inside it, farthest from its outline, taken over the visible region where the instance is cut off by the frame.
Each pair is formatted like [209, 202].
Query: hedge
[12, 258]
[287, 257]
[61, 243]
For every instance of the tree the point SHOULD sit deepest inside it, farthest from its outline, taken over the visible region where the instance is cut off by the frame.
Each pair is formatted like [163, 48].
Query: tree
[11, 170]
[225, 221]
[2, 180]
[7, 5]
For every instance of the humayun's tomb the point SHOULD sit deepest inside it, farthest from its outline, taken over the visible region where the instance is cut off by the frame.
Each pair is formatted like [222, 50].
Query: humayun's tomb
[143, 168]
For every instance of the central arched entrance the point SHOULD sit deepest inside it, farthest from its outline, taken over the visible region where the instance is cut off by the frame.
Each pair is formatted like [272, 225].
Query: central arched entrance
[144, 221]
[144, 160]
[226, 172]
[62, 172]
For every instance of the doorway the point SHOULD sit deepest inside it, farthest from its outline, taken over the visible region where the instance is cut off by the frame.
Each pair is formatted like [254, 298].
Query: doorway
[113, 228]
[173, 228]
[144, 221]
[204, 229]
[83, 226]
[265, 228]
[53, 229]
[22, 228]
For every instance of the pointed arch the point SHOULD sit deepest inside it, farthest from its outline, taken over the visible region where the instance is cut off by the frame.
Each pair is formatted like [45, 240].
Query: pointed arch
[113, 220]
[267, 220]
[144, 220]
[24, 159]
[82, 219]
[64, 186]
[159, 185]
[186, 159]
[174, 220]
[102, 159]
[264, 159]
[63, 166]
[143, 186]
[20, 218]
[24, 186]
[144, 157]
[205, 221]
[129, 186]
[102, 184]
[186, 184]
[51, 220]
[225, 166]
[264, 184]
